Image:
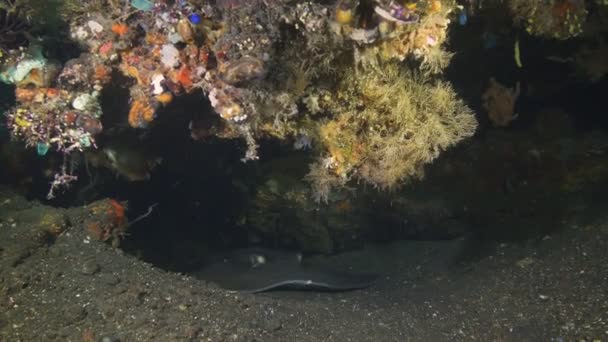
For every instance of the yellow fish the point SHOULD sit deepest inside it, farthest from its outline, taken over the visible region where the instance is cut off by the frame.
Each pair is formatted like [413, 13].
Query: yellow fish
[516, 54]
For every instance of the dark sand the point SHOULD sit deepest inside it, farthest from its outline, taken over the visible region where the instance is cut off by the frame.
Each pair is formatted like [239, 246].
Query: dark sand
[72, 289]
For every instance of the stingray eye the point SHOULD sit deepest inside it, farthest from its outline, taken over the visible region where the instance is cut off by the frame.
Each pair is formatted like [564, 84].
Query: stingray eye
[257, 260]
[260, 259]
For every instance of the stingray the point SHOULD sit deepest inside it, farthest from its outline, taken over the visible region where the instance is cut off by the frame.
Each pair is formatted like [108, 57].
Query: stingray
[258, 270]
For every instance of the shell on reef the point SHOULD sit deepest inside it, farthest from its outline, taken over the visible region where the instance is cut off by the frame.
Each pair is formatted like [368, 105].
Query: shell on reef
[243, 70]
[185, 30]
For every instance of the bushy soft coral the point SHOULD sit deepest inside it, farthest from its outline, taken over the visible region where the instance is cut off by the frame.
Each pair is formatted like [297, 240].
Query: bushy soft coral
[389, 124]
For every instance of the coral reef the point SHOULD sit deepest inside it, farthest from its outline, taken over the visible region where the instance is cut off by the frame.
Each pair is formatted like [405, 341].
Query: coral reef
[559, 19]
[592, 61]
[107, 221]
[13, 27]
[389, 123]
[423, 41]
[269, 69]
[284, 211]
[56, 110]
